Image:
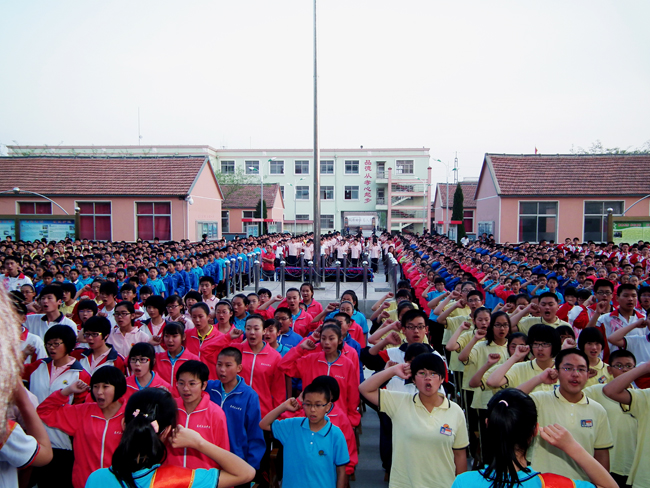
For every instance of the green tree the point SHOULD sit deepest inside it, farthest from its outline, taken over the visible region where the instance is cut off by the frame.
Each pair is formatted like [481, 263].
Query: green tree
[263, 225]
[458, 212]
[234, 181]
[598, 148]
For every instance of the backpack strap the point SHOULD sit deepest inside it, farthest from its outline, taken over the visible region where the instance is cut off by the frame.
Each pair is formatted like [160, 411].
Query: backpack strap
[172, 477]
[550, 480]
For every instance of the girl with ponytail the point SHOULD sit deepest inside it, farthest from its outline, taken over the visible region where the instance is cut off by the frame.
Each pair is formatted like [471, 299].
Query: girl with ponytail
[511, 428]
[150, 424]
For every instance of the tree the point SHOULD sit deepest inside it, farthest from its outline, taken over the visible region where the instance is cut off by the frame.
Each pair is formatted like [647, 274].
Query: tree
[458, 212]
[234, 181]
[263, 225]
[598, 148]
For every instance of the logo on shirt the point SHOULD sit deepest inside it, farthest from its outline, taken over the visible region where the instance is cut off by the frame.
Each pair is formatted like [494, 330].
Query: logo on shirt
[602, 380]
[199, 426]
[65, 382]
[587, 423]
[264, 364]
[339, 377]
[446, 430]
[236, 408]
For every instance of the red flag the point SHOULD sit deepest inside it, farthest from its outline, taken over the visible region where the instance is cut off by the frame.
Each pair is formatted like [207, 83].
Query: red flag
[536, 150]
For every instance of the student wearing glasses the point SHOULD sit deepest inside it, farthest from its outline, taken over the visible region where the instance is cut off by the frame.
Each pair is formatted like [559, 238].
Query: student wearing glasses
[126, 333]
[429, 432]
[142, 361]
[585, 419]
[98, 354]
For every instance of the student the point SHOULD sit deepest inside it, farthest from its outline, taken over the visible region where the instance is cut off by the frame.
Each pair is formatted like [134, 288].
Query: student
[302, 362]
[157, 284]
[512, 426]
[585, 419]
[125, 334]
[206, 288]
[175, 312]
[49, 300]
[142, 362]
[84, 309]
[45, 377]
[355, 330]
[197, 412]
[129, 294]
[307, 295]
[241, 405]
[548, 306]
[271, 333]
[96, 427]
[190, 299]
[154, 325]
[98, 354]
[429, 432]
[624, 315]
[635, 403]
[286, 335]
[68, 302]
[310, 459]
[591, 342]
[205, 341]
[224, 317]
[150, 422]
[239, 308]
[30, 344]
[176, 354]
[544, 343]
[261, 365]
[624, 427]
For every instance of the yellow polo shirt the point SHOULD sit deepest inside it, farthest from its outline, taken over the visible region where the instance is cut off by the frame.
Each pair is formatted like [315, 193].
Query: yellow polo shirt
[477, 358]
[640, 409]
[526, 323]
[455, 363]
[522, 372]
[602, 375]
[586, 421]
[452, 326]
[459, 312]
[423, 441]
[624, 431]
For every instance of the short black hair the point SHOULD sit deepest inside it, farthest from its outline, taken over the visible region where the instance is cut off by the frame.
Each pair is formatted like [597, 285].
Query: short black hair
[621, 353]
[318, 387]
[330, 383]
[70, 288]
[156, 301]
[566, 352]
[195, 368]
[109, 288]
[87, 305]
[63, 332]
[432, 362]
[55, 290]
[590, 334]
[98, 324]
[545, 333]
[232, 352]
[144, 349]
[174, 328]
[111, 376]
[411, 315]
[548, 294]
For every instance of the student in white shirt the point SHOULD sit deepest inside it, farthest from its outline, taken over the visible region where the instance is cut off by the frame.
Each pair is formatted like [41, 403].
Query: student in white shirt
[49, 301]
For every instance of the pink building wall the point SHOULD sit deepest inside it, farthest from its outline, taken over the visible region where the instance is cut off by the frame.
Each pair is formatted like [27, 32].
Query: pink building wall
[207, 204]
[488, 204]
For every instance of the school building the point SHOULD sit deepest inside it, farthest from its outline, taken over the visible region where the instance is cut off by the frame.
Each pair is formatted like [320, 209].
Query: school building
[443, 205]
[389, 188]
[102, 197]
[551, 197]
[238, 209]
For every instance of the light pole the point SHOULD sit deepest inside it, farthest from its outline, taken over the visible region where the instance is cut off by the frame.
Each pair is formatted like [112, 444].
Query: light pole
[295, 210]
[17, 190]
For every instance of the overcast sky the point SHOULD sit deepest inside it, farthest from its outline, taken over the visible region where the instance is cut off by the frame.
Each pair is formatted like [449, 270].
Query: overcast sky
[466, 76]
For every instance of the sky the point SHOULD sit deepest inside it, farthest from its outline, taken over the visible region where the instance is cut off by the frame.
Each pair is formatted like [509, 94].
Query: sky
[462, 78]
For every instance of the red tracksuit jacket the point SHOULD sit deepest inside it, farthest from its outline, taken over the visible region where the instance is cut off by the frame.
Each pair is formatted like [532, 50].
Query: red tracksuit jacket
[167, 371]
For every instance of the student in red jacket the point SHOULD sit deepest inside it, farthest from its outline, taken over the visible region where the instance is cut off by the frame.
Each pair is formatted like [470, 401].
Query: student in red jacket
[96, 427]
[205, 340]
[302, 362]
[198, 413]
[98, 354]
[142, 363]
[169, 361]
[260, 365]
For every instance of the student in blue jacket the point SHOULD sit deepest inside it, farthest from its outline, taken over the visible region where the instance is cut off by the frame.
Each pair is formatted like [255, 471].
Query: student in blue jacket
[241, 405]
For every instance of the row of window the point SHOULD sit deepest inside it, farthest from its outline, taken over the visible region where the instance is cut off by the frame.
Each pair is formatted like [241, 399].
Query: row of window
[326, 192]
[302, 167]
[538, 220]
[326, 221]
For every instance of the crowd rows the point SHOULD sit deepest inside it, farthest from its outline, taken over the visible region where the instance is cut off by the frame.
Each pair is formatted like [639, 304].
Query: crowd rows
[523, 359]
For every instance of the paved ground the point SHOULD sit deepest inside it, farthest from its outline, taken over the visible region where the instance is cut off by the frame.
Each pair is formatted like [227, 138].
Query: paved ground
[369, 471]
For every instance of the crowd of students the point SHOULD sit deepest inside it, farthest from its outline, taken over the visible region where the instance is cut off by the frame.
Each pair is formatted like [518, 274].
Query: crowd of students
[141, 370]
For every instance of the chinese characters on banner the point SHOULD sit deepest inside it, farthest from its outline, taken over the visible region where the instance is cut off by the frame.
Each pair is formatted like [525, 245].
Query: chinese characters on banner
[367, 190]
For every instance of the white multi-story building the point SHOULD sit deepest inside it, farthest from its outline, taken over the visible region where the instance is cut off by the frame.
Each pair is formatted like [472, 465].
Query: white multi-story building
[387, 188]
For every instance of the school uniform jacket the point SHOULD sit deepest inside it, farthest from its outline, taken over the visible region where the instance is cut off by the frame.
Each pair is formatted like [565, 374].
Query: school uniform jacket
[242, 409]
[132, 386]
[210, 422]
[95, 437]
[84, 356]
[299, 363]
[167, 371]
[208, 350]
[302, 325]
[38, 374]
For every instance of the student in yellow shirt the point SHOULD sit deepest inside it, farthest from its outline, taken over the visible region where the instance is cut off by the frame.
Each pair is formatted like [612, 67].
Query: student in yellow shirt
[591, 342]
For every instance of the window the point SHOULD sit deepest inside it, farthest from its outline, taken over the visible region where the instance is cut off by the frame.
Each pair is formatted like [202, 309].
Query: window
[381, 169]
[228, 167]
[327, 193]
[209, 229]
[381, 197]
[225, 220]
[35, 208]
[352, 167]
[327, 167]
[302, 193]
[277, 168]
[302, 216]
[154, 220]
[282, 191]
[537, 221]
[301, 167]
[252, 167]
[352, 193]
[95, 220]
[249, 214]
[596, 219]
[468, 221]
[404, 167]
[327, 221]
